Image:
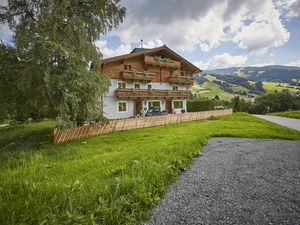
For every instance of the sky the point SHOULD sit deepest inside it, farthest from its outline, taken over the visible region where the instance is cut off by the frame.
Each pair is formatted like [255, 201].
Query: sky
[209, 33]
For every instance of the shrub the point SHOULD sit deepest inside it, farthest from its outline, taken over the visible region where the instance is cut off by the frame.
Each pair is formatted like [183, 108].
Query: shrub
[197, 105]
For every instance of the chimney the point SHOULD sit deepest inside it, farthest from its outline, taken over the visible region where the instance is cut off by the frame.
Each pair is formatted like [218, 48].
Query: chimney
[141, 43]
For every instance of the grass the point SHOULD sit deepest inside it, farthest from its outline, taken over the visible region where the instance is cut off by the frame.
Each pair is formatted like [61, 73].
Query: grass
[112, 179]
[210, 90]
[272, 86]
[4, 122]
[291, 114]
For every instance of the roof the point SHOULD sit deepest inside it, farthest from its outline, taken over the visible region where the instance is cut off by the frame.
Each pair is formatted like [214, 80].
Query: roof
[135, 50]
[142, 51]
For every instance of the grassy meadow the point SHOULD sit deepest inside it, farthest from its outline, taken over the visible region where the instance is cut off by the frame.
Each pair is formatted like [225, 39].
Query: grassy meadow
[272, 86]
[210, 90]
[111, 179]
[291, 114]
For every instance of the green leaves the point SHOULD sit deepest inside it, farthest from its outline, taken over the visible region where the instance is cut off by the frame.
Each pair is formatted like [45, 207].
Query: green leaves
[54, 44]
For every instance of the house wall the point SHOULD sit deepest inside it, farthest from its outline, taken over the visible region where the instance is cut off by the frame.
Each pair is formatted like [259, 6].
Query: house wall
[110, 101]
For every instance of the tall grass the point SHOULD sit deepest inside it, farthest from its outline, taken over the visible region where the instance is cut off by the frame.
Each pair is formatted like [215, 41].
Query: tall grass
[112, 179]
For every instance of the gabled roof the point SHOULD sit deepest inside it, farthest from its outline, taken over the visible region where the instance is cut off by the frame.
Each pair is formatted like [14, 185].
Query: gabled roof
[163, 49]
[135, 50]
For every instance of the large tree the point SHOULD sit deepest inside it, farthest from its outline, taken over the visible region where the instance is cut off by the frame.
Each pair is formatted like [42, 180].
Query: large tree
[54, 55]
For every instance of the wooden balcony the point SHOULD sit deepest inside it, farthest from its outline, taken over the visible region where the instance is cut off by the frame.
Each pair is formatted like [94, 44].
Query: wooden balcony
[151, 94]
[155, 61]
[185, 80]
[135, 75]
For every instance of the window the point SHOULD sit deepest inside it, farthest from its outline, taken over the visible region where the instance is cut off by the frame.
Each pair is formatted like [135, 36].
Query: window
[149, 86]
[127, 67]
[137, 86]
[122, 106]
[178, 104]
[122, 85]
[175, 88]
[153, 104]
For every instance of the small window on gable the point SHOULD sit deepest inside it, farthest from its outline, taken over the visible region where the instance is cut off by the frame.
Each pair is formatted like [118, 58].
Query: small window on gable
[122, 106]
[175, 87]
[137, 86]
[127, 67]
[122, 85]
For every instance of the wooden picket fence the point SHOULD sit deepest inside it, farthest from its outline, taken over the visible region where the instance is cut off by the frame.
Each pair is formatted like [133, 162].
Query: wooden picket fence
[61, 136]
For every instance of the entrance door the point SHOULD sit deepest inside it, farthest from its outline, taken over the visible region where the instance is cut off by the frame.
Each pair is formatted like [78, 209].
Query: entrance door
[137, 107]
[169, 106]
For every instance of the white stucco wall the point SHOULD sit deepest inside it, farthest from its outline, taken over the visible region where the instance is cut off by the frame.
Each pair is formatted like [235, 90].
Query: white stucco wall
[110, 101]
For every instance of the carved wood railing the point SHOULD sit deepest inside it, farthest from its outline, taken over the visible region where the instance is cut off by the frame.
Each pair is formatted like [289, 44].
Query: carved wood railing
[137, 75]
[156, 61]
[150, 94]
[186, 80]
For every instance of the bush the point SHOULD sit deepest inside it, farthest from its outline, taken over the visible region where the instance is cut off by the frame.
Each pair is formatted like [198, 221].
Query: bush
[275, 102]
[197, 105]
[239, 105]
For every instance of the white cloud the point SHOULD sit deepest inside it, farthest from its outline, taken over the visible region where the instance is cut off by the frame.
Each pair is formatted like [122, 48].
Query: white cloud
[255, 25]
[288, 8]
[265, 31]
[110, 52]
[5, 32]
[153, 44]
[262, 64]
[294, 63]
[258, 37]
[222, 61]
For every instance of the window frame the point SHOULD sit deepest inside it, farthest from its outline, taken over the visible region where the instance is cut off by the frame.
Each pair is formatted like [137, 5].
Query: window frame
[175, 86]
[149, 101]
[122, 82]
[135, 84]
[149, 84]
[178, 101]
[126, 106]
[129, 67]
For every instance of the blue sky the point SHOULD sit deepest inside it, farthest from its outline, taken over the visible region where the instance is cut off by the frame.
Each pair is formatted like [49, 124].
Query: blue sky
[209, 33]
[212, 34]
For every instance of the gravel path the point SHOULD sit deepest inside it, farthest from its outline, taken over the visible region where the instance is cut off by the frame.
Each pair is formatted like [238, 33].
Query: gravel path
[284, 121]
[236, 181]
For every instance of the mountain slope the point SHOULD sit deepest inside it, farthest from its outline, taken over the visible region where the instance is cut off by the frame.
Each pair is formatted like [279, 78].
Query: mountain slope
[275, 73]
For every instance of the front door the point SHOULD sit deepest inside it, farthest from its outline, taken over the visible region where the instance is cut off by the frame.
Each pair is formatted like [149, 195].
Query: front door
[169, 106]
[137, 107]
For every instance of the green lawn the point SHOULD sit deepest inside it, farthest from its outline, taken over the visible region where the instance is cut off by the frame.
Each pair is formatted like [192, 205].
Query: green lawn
[272, 86]
[292, 114]
[112, 179]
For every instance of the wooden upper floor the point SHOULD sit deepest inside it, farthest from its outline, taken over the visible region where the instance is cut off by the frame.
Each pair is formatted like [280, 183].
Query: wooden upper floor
[151, 65]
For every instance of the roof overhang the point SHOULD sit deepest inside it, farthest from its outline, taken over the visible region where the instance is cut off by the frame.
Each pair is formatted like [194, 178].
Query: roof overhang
[163, 49]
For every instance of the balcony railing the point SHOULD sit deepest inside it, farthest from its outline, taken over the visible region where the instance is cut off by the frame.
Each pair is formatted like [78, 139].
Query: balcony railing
[150, 94]
[186, 80]
[156, 61]
[137, 75]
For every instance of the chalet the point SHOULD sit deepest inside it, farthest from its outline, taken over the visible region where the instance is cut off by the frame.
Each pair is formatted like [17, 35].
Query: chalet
[145, 79]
